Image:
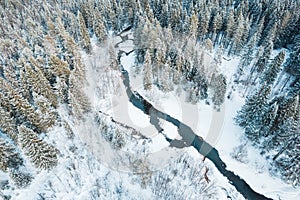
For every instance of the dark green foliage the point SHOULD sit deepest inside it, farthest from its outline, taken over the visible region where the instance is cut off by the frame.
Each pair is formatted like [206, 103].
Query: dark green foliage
[9, 157]
[294, 89]
[286, 110]
[264, 58]
[273, 69]
[289, 160]
[219, 85]
[265, 120]
[293, 62]
[20, 178]
[249, 115]
[275, 128]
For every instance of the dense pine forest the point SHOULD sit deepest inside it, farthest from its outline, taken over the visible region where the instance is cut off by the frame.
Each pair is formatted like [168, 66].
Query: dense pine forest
[45, 45]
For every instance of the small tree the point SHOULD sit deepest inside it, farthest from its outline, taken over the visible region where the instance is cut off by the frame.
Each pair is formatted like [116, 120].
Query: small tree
[8, 124]
[85, 38]
[9, 158]
[147, 72]
[218, 83]
[99, 27]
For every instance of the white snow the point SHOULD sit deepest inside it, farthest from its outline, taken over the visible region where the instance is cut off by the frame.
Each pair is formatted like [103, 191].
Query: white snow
[88, 165]
[256, 171]
[126, 46]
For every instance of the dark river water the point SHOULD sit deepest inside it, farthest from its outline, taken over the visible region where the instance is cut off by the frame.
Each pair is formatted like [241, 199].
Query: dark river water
[189, 138]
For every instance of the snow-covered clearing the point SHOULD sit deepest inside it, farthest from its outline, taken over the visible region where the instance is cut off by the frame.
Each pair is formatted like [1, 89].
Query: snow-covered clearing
[202, 119]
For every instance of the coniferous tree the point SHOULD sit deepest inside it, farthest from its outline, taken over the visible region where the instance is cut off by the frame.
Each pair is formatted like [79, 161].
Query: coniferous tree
[229, 27]
[61, 91]
[216, 25]
[218, 83]
[45, 111]
[5, 102]
[237, 42]
[204, 24]
[87, 13]
[250, 112]
[42, 154]
[10, 75]
[77, 99]
[25, 91]
[99, 27]
[39, 84]
[246, 58]
[289, 161]
[284, 30]
[21, 105]
[264, 58]
[208, 45]
[294, 89]
[193, 26]
[269, 34]
[85, 38]
[286, 112]
[273, 69]
[59, 68]
[287, 139]
[147, 72]
[8, 124]
[264, 122]
[9, 158]
[293, 62]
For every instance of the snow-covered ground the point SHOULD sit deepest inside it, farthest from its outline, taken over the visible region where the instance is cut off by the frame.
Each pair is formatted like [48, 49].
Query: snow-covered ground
[88, 167]
[203, 120]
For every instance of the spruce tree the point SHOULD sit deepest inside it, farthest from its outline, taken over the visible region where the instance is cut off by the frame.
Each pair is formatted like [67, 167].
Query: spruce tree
[99, 27]
[273, 69]
[237, 42]
[21, 105]
[218, 83]
[45, 111]
[77, 99]
[9, 158]
[264, 58]
[193, 26]
[246, 58]
[287, 157]
[204, 23]
[42, 154]
[229, 30]
[265, 120]
[85, 38]
[249, 115]
[294, 88]
[293, 62]
[59, 67]
[39, 84]
[216, 25]
[147, 71]
[8, 124]
[286, 111]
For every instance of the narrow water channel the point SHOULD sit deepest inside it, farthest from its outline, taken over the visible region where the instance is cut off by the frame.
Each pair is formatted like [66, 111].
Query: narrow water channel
[189, 138]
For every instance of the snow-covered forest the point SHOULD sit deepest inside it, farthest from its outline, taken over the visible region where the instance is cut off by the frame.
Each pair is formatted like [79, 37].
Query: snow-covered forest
[69, 125]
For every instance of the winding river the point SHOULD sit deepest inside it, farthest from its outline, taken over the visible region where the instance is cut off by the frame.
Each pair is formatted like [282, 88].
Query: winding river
[189, 138]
